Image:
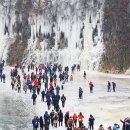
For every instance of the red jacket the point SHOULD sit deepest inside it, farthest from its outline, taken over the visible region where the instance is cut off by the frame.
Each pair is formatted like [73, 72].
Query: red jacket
[36, 82]
[75, 117]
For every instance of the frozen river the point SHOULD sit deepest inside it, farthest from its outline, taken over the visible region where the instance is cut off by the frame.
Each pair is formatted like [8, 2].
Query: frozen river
[17, 111]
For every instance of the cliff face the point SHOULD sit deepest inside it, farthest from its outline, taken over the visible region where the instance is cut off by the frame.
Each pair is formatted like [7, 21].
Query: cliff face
[14, 26]
[69, 32]
[116, 36]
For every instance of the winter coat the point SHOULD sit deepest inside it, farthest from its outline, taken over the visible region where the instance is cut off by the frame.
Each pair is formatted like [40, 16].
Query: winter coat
[46, 117]
[25, 87]
[35, 122]
[71, 78]
[52, 114]
[80, 118]
[36, 82]
[126, 124]
[75, 117]
[57, 97]
[57, 88]
[63, 98]
[70, 122]
[100, 128]
[55, 118]
[116, 127]
[91, 121]
[66, 117]
[48, 102]
[19, 85]
[60, 114]
[41, 122]
[109, 84]
[47, 95]
[57, 107]
[29, 85]
[80, 91]
[43, 93]
[34, 96]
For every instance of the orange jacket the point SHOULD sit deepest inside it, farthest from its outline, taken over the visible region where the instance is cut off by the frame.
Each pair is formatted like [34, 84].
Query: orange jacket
[80, 118]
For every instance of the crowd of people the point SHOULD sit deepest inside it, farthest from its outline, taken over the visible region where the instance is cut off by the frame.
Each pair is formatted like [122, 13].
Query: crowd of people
[70, 122]
[51, 95]
[53, 78]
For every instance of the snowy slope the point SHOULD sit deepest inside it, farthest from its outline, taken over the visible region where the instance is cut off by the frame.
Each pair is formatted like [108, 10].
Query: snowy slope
[107, 108]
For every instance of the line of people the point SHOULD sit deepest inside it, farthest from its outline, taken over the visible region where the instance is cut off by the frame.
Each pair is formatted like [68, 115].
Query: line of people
[56, 119]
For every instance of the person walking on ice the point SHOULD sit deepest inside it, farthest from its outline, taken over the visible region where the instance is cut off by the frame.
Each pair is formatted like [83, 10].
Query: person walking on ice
[114, 86]
[91, 122]
[71, 78]
[34, 96]
[3, 77]
[108, 87]
[84, 75]
[35, 123]
[80, 119]
[19, 86]
[13, 84]
[91, 87]
[101, 127]
[80, 93]
[63, 99]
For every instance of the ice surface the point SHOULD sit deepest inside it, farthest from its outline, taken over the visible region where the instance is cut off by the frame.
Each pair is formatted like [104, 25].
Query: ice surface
[17, 111]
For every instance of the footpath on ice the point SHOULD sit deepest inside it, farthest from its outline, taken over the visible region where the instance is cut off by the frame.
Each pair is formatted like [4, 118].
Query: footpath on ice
[17, 110]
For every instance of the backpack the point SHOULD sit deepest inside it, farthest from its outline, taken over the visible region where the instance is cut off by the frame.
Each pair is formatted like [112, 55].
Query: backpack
[36, 123]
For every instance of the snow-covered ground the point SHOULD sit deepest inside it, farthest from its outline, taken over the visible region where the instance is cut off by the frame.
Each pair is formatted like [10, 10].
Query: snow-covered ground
[17, 111]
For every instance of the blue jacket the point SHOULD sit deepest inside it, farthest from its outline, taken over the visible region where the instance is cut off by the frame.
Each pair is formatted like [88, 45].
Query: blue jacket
[48, 102]
[57, 97]
[48, 95]
[46, 117]
[35, 122]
